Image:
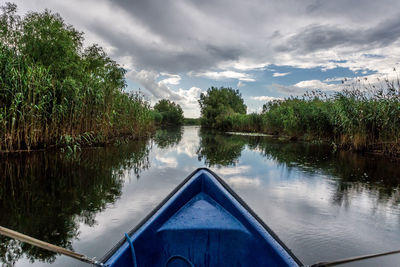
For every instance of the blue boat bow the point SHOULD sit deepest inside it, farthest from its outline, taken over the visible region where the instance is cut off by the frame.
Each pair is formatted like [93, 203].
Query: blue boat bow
[201, 223]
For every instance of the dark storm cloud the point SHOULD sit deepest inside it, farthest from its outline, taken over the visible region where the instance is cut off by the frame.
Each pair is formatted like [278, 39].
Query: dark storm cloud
[317, 37]
[184, 36]
[357, 10]
[200, 35]
[162, 17]
[186, 53]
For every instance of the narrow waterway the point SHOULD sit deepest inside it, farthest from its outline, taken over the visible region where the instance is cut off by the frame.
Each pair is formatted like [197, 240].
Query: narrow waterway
[323, 204]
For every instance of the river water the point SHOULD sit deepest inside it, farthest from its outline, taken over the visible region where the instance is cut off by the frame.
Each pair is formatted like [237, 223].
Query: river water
[324, 205]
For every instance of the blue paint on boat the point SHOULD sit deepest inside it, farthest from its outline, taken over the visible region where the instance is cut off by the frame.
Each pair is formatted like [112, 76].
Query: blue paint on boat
[202, 222]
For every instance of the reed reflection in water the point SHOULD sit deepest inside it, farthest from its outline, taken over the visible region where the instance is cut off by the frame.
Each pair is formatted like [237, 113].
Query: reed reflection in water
[323, 204]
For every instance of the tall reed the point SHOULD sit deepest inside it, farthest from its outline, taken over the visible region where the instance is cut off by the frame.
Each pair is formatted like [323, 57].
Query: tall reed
[53, 90]
[362, 117]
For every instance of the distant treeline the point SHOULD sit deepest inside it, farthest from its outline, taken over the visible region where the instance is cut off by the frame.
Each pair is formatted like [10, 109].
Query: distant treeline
[365, 118]
[191, 121]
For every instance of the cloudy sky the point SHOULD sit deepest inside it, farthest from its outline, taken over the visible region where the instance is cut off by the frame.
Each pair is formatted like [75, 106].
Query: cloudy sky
[177, 49]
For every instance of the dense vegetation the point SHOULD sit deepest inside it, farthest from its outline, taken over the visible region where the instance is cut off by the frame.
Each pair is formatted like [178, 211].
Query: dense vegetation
[168, 113]
[191, 121]
[219, 103]
[53, 91]
[359, 117]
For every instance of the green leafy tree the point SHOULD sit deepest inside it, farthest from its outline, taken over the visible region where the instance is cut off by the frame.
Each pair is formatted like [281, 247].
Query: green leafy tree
[171, 112]
[46, 40]
[218, 103]
[53, 89]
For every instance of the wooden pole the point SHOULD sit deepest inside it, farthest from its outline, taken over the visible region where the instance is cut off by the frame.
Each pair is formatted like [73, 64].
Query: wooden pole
[342, 261]
[36, 242]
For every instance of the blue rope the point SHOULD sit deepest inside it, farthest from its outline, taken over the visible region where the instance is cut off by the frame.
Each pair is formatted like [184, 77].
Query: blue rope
[174, 257]
[132, 249]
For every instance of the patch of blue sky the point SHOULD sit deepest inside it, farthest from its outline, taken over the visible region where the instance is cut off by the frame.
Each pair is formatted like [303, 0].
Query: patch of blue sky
[265, 78]
[132, 86]
[373, 56]
[338, 61]
[301, 74]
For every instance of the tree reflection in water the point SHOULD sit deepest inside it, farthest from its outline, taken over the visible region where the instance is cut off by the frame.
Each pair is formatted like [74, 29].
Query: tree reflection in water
[220, 149]
[168, 137]
[47, 195]
[352, 172]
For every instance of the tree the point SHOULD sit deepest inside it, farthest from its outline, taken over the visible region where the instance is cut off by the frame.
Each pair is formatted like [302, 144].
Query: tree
[53, 89]
[218, 103]
[48, 41]
[171, 112]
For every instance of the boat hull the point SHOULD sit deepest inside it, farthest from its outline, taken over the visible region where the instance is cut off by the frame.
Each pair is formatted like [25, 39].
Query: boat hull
[205, 223]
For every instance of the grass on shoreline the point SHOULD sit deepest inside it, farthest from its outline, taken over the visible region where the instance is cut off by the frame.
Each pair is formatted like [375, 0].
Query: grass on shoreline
[361, 117]
[191, 121]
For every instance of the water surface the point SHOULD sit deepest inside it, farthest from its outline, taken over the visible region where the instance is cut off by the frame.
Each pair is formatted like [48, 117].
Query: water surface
[323, 204]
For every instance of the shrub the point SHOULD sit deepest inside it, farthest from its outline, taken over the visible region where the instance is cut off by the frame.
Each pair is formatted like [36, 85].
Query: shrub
[171, 113]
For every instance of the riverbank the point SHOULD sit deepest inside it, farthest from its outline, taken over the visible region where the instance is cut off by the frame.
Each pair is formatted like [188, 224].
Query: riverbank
[373, 150]
[78, 143]
[191, 121]
[359, 118]
[358, 141]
